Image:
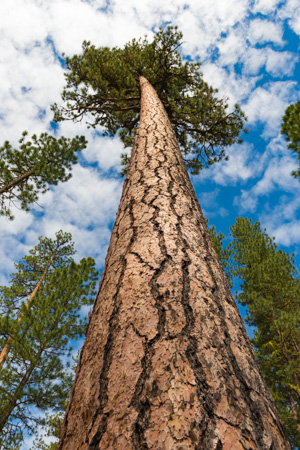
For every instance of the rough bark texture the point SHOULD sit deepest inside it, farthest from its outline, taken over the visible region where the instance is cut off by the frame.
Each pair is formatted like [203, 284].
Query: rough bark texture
[167, 363]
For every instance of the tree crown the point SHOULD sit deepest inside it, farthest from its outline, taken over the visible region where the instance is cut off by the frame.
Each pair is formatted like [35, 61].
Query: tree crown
[103, 83]
[27, 171]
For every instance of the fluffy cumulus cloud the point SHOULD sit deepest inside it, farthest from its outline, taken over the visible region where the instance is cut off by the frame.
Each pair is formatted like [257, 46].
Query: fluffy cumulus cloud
[262, 30]
[282, 221]
[243, 164]
[106, 152]
[285, 234]
[265, 6]
[278, 192]
[291, 12]
[234, 87]
[267, 103]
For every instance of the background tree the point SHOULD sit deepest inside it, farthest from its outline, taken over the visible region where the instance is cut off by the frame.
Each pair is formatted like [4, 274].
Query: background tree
[103, 83]
[39, 333]
[270, 289]
[224, 253]
[52, 425]
[291, 129]
[26, 172]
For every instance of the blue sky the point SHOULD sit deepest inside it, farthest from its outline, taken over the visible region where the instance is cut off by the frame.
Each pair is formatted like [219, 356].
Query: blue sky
[249, 50]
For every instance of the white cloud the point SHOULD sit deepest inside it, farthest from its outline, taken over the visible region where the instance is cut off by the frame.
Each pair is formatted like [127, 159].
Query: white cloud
[85, 206]
[232, 47]
[253, 60]
[276, 165]
[203, 22]
[235, 88]
[268, 103]
[261, 31]
[25, 22]
[86, 199]
[286, 234]
[277, 64]
[277, 175]
[106, 152]
[29, 83]
[291, 11]
[239, 47]
[282, 221]
[265, 6]
[240, 167]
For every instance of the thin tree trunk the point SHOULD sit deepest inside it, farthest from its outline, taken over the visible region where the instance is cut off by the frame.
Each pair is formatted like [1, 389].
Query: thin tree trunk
[16, 181]
[8, 409]
[6, 348]
[167, 363]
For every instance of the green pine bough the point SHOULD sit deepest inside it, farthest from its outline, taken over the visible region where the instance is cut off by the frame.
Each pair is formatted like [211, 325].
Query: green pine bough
[28, 171]
[290, 128]
[40, 314]
[103, 86]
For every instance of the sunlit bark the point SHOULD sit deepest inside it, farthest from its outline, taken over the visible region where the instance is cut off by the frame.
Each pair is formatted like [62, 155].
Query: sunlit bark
[167, 363]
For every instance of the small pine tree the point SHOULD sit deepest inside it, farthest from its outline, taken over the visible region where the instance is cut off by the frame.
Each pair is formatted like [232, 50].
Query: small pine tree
[40, 313]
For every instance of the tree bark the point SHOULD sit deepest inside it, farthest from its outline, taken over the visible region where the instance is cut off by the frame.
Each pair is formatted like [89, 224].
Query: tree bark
[16, 181]
[167, 363]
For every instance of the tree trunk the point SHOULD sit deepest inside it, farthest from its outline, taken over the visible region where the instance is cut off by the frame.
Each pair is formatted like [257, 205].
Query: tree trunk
[167, 363]
[6, 348]
[16, 181]
[10, 406]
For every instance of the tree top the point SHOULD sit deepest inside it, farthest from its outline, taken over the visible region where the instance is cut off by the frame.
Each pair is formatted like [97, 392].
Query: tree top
[103, 86]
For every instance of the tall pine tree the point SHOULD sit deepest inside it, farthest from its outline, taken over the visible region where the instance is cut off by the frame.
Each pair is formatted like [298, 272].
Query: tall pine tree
[167, 362]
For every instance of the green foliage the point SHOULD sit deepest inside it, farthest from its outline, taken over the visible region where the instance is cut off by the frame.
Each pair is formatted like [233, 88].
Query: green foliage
[103, 83]
[27, 171]
[291, 129]
[53, 423]
[270, 289]
[35, 378]
[224, 254]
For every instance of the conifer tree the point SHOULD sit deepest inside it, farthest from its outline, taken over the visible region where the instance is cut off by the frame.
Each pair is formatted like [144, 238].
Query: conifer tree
[270, 288]
[166, 363]
[28, 171]
[40, 313]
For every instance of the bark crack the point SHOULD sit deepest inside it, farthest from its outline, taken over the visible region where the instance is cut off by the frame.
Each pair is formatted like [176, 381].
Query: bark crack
[108, 354]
